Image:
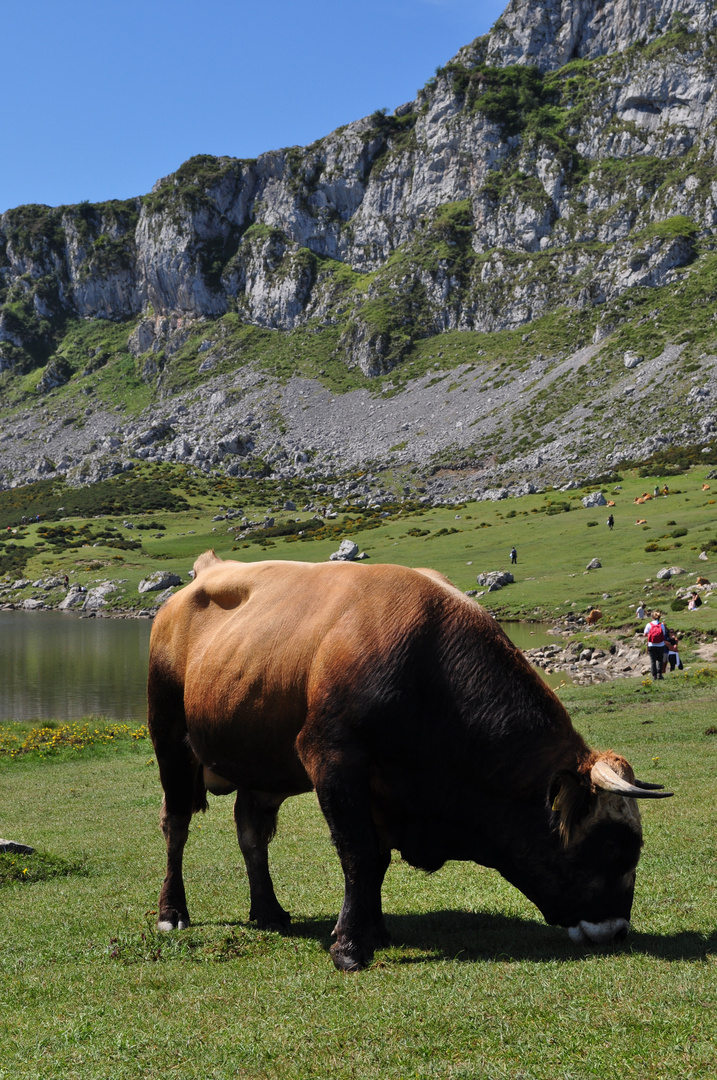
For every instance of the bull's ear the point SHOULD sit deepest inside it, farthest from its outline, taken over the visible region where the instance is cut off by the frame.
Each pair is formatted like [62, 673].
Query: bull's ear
[570, 798]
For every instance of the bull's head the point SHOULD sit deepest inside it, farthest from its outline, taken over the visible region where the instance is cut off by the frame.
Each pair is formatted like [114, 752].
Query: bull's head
[587, 881]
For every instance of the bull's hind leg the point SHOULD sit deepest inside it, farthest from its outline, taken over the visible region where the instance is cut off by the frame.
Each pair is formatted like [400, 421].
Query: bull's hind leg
[184, 794]
[255, 816]
[173, 913]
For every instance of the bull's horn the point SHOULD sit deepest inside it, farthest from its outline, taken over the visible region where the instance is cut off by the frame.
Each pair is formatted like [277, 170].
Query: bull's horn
[603, 776]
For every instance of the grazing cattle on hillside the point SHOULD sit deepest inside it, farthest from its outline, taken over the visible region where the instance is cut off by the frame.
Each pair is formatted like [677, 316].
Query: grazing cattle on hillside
[419, 725]
[593, 616]
[641, 521]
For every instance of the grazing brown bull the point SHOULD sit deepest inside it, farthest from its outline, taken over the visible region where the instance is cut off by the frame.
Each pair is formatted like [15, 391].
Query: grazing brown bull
[593, 616]
[417, 722]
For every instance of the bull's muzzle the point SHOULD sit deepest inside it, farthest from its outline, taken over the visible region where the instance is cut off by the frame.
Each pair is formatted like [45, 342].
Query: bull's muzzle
[600, 933]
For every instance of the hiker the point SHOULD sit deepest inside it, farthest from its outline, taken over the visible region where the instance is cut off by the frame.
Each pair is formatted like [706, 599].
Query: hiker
[673, 652]
[656, 635]
[610, 522]
[66, 581]
[640, 613]
[513, 555]
[694, 602]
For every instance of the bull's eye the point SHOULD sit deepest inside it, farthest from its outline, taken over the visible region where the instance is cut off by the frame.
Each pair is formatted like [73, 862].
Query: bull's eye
[611, 847]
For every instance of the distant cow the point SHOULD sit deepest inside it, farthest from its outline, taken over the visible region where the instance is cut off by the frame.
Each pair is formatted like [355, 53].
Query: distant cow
[419, 725]
[702, 581]
[593, 616]
[705, 487]
[641, 521]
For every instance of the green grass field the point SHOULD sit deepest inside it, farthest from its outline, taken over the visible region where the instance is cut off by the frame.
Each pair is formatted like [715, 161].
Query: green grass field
[555, 536]
[475, 986]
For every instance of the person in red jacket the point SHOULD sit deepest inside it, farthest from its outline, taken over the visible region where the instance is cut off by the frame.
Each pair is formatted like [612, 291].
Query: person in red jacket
[656, 634]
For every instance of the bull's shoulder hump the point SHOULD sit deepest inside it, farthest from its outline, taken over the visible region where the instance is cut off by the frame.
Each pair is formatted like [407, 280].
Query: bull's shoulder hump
[436, 575]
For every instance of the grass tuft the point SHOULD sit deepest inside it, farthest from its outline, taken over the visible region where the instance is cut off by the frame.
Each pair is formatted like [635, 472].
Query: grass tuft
[37, 866]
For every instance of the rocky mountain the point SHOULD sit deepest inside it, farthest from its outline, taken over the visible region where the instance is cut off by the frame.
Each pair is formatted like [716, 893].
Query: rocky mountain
[539, 221]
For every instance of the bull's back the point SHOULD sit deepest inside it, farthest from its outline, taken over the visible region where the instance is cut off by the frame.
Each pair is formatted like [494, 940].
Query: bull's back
[252, 646]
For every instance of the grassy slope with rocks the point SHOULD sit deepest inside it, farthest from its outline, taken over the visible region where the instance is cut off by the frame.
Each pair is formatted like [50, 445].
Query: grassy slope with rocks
[125, 529]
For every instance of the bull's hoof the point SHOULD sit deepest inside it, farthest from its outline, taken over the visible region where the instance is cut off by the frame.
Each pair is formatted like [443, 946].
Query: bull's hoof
[348, 956]
[173, 921]
[381, 938]
[272, 920]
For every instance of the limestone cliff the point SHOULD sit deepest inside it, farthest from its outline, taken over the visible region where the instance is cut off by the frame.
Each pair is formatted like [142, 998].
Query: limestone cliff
[562, 161]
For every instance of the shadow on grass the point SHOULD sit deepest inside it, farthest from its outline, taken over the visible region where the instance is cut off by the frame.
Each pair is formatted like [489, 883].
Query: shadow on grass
[467, 937]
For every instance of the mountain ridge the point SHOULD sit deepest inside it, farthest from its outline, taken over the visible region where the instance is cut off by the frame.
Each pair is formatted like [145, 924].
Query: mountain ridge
[553, 168]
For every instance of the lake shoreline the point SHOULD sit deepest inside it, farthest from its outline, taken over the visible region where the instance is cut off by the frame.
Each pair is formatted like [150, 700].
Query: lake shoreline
[576, 663]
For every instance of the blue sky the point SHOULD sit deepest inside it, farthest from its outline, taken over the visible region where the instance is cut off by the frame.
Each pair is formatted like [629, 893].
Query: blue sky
[100, 98]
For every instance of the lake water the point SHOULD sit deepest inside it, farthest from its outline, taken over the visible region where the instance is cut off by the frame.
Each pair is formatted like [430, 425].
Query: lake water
[57, 666]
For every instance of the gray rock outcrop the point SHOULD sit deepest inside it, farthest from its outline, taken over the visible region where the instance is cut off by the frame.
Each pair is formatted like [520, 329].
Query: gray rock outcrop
[75, 598]
[347, 552]
[595, 498]
[495, 580]
[159, 580]
[15, 848]
[668, 572]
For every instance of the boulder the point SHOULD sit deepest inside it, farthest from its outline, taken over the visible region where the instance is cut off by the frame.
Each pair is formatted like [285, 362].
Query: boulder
[495, 579]
[495, 494]
[33, 605]
[76, 597]
[13, 847]
[703, 556]
[347, 552]
[160, 579]
[164, 596]
[669, 572]
[594, 564]
[52, 583]
[95, 598]
[632, 359]
[595, 498]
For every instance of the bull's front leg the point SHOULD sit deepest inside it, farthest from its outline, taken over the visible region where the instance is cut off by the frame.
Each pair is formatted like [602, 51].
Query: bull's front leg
[343, 795]
[360, 928]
